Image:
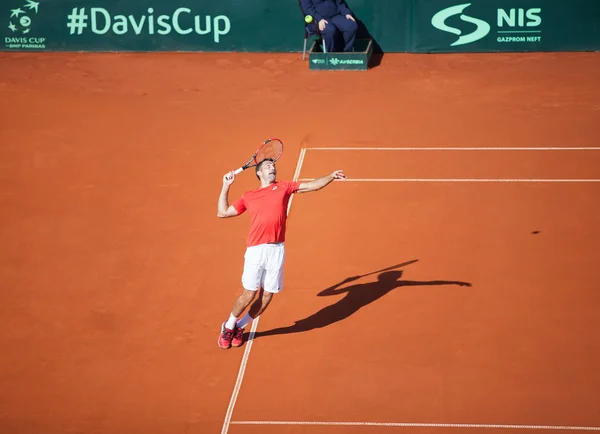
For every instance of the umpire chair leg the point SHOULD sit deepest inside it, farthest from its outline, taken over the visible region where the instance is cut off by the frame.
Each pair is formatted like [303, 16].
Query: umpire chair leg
[304, 50]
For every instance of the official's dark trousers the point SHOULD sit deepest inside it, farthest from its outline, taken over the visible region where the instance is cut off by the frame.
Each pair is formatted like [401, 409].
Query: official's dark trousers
[339, 27]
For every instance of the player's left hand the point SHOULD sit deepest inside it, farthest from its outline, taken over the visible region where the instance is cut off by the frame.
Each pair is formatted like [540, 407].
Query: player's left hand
[350, 17]
[338, 174]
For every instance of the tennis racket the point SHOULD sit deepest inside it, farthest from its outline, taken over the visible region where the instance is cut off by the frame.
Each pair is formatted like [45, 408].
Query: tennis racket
[271, 148]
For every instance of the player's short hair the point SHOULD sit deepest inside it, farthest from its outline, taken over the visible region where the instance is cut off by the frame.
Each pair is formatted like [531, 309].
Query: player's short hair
[260, 164]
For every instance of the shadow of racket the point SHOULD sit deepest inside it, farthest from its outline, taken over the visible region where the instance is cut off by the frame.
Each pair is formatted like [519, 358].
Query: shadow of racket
[393, 267]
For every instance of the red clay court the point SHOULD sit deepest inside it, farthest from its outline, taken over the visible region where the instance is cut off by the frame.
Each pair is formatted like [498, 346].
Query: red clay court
[473, 178]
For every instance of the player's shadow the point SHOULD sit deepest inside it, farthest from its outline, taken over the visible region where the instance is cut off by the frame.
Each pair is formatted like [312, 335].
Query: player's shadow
[357, 296]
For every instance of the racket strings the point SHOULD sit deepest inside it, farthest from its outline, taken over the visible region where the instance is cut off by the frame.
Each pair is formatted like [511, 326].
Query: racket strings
[271, 150]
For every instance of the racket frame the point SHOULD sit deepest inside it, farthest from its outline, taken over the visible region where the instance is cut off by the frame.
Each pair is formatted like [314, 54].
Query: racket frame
[252, 161]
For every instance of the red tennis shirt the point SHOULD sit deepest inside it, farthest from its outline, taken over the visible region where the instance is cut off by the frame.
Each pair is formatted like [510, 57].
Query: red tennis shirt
[268, 211]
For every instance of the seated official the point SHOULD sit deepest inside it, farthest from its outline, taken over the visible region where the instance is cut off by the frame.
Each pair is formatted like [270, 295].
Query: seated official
[335, 21]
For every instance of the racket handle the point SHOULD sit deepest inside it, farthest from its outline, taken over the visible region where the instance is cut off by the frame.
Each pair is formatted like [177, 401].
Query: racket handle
[238, 170]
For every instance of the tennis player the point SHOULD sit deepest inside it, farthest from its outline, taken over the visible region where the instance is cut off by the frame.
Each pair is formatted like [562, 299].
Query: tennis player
[262, 276]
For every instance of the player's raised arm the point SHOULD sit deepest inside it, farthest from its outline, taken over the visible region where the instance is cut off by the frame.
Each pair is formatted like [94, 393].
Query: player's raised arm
[225, 210]
[319, 183]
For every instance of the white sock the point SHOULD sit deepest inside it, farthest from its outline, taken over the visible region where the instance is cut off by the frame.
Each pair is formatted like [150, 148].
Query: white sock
[230, 324]
[247, 319]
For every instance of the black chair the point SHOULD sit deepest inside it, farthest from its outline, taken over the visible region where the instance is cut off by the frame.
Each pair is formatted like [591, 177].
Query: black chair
[310, 29]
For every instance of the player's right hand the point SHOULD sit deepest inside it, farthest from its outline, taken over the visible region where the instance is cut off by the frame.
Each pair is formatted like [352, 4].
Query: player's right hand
[228, 178]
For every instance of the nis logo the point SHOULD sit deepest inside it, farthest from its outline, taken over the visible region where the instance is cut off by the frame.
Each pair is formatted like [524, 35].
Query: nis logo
[514, 21]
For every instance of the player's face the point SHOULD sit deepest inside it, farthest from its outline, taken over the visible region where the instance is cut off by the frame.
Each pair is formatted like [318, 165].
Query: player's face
[268, 171]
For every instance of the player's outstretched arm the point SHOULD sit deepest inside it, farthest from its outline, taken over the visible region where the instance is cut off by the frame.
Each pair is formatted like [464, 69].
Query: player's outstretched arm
[319, 183]
[225, 210]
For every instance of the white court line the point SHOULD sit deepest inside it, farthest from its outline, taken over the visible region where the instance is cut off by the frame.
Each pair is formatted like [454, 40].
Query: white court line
[423, 425]
[238, 382]
[456, 180]
[297, 174]
[244, 362]
[458, 149]
[240, 377]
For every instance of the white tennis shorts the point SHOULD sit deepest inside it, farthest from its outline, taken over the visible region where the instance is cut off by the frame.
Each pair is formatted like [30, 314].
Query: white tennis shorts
[263, 267]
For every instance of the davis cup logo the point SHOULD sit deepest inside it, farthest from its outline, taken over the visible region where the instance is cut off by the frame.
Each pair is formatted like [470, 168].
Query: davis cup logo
[20, 24]
[20, 18]
[439, 22]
